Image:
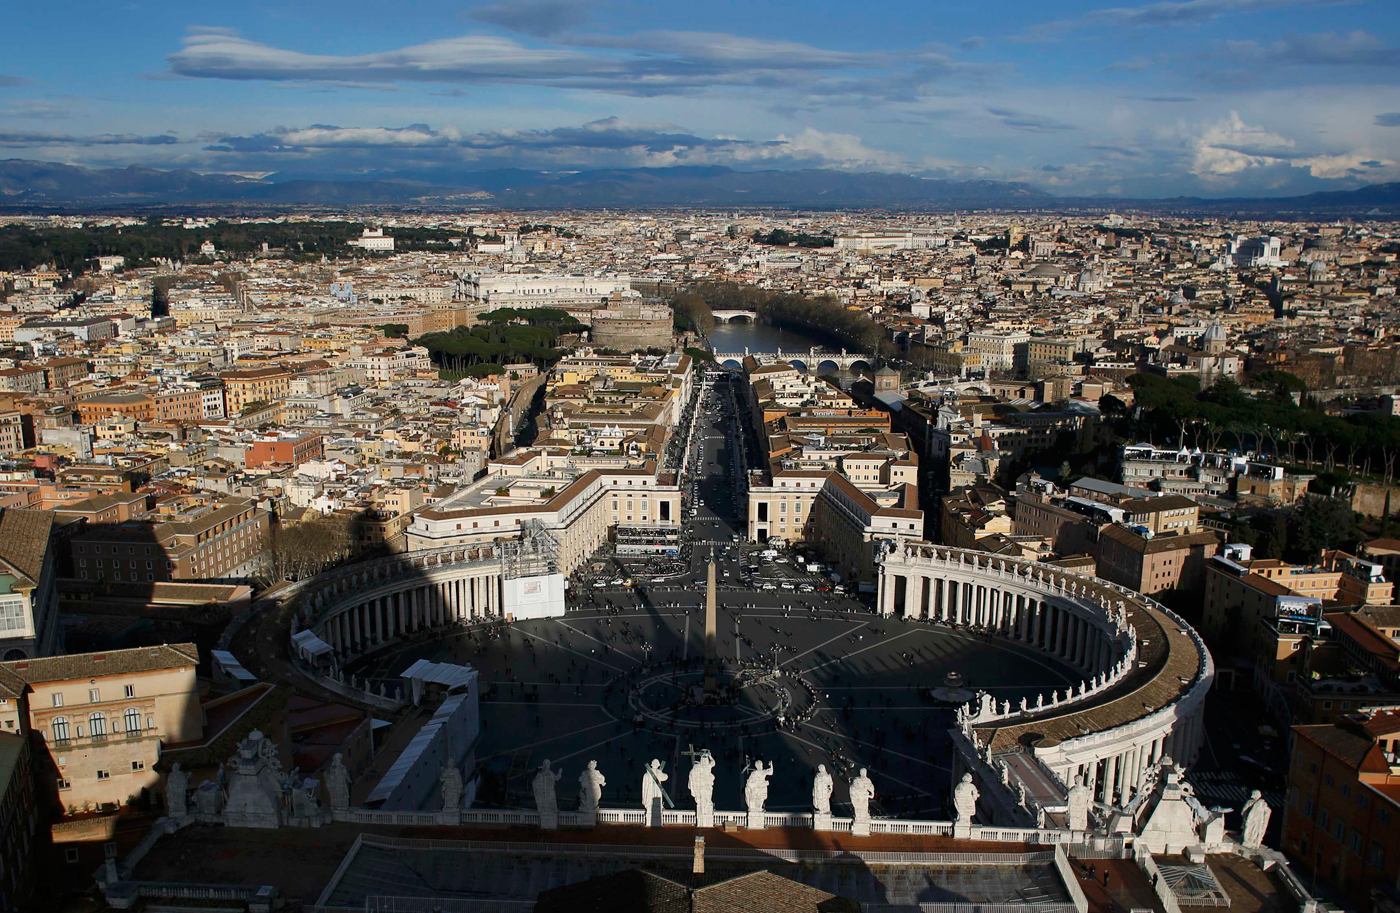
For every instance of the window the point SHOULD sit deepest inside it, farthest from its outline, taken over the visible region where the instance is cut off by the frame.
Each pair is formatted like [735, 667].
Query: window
[98, 723]
[64, 784]
[1377, 856]
[1328, 779]
[70, 856]
[1355, 840]
[137, 765]
[104, 775]
[59, 727]
[94, 695]
[131, 721]
[129, 690]
[57, 699]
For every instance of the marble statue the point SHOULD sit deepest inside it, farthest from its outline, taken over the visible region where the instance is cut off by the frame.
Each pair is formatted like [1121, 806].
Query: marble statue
[862, 791]
[965, 796]
[338, 782]
[546, 802]
[177, 784]
[590, 788]
[451, 779]
[652, 792]
[701, 784]
[1256, 821]
[1078, 799]
[821, 791]
[756, 787]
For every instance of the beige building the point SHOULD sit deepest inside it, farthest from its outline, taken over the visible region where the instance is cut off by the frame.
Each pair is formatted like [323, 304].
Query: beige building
[260, 385]
[1260, 610]
[102, 718]
[1151, 565]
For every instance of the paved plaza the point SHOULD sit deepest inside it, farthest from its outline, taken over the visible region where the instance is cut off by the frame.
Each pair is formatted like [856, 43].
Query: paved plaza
[847, 690]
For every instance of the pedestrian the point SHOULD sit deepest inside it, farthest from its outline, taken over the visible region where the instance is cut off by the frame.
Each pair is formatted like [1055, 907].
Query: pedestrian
[1105, 878]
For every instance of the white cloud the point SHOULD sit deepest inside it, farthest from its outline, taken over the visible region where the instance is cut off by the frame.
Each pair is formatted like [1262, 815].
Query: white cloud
[1231, 146]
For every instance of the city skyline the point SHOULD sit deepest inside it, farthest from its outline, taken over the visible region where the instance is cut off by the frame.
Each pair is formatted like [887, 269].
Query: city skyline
[1202, 97]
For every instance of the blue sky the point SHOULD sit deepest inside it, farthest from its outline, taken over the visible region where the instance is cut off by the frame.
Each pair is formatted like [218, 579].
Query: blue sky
[1207, 97]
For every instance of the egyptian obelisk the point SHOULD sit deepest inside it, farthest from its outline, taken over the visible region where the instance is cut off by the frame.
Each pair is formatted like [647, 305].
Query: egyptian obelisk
[711, 651]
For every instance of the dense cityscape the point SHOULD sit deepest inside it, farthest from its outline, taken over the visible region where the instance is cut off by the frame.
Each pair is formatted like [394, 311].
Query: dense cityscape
[1062, 541]
[593, 456]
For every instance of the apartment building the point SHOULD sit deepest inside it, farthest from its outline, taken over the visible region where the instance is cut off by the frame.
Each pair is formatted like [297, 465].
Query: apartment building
[97, 721]
[206, 540]
[23, 380]
[827, 510]
[578, 504]
[1152, 564]
[177, 404]
[16, 432]
[259, 385]
[1000, 351]
[60, 372]
[289, 449]
[1261, 611]
[382, 367]
[19, 819]
[1341, 822]
[134, 405]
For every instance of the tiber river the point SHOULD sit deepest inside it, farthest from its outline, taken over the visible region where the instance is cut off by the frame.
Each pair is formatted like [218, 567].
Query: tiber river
[732, 337]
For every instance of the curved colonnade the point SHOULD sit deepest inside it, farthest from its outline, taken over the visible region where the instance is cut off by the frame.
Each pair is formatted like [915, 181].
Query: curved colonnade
[1146, 671]
[360, 608]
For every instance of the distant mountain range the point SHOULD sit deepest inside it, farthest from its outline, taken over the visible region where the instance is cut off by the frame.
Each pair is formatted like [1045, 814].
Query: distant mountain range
[29, 185]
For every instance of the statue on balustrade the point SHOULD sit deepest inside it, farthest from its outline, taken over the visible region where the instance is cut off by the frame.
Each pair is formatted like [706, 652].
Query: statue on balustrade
[451, 779]
[653, 792]
[338, 782]
[1256, 820]
[590, 788]
[821, 791]
[701, 784]
[756, 787]
[1078, 799]
[965, 796]
[544, 785]
[177, 784]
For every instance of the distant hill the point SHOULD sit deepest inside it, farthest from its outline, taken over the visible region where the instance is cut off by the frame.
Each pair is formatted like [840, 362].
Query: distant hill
[50, 185]
[27, 183]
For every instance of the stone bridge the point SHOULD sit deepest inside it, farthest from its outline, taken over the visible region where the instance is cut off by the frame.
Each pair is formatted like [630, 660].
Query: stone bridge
[822, 361]
[729, 315]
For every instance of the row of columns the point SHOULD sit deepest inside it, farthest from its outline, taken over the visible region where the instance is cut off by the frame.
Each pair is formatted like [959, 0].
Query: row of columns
[1117, 778]
[378, 620]
[1040, 623]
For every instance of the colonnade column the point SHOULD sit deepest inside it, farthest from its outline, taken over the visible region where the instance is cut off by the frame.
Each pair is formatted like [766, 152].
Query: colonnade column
[914, 596]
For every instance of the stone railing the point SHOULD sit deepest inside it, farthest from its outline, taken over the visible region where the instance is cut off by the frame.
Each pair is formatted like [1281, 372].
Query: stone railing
[508, 817]
[1149, 868]
[1076, 893]
[1096, 600]
[989, 711]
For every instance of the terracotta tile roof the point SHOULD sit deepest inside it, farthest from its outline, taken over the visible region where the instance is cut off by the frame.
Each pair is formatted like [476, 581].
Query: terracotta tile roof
[24, 538]
[1351, 748]
[90, 665]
